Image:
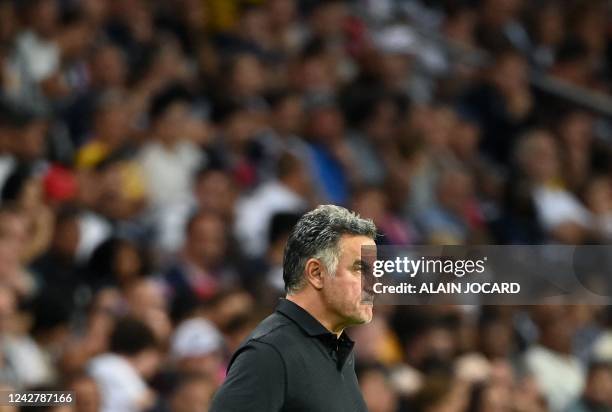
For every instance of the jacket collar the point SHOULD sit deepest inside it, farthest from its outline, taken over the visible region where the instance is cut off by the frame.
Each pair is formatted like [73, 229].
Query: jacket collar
[309, 324]
[341, 346]
[301, 317]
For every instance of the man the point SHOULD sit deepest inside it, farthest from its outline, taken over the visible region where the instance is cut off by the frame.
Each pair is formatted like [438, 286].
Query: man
[123, 371]
[196, 347]
[300, 358]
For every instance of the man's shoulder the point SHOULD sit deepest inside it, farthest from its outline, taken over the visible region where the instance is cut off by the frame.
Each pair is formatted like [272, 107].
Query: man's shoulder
[276, 331]
[272, 337]
[273, 330]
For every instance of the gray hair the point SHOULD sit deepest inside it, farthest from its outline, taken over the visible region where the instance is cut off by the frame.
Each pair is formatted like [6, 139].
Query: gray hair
[316, 235]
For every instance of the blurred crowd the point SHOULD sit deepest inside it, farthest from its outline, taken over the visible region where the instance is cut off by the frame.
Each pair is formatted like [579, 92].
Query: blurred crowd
[155, 154]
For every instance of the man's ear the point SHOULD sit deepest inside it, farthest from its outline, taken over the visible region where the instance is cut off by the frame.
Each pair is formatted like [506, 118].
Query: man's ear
[314, 271]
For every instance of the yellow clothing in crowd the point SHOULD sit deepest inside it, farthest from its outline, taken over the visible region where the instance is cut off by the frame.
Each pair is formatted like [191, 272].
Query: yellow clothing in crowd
[96, 151]
[223, 14]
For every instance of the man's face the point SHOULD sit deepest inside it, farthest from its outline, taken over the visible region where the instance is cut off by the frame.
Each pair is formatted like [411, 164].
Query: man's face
[208, 364]
[343, 290]
[207, 239]
[31, 142]
[148, 362]
[170, 124]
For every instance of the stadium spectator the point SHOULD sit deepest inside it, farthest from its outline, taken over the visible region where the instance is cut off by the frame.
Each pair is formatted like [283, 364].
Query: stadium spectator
[121, 373]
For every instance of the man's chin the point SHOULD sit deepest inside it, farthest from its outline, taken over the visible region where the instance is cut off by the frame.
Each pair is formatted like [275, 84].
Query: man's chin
[361, 315]
[367, 311]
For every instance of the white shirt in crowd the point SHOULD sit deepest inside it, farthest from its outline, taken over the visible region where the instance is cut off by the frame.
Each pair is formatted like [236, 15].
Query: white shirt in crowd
[556, 206]
[559, 376]
[169, 173]
[25, 364]
[254, 214]
[122, 389]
